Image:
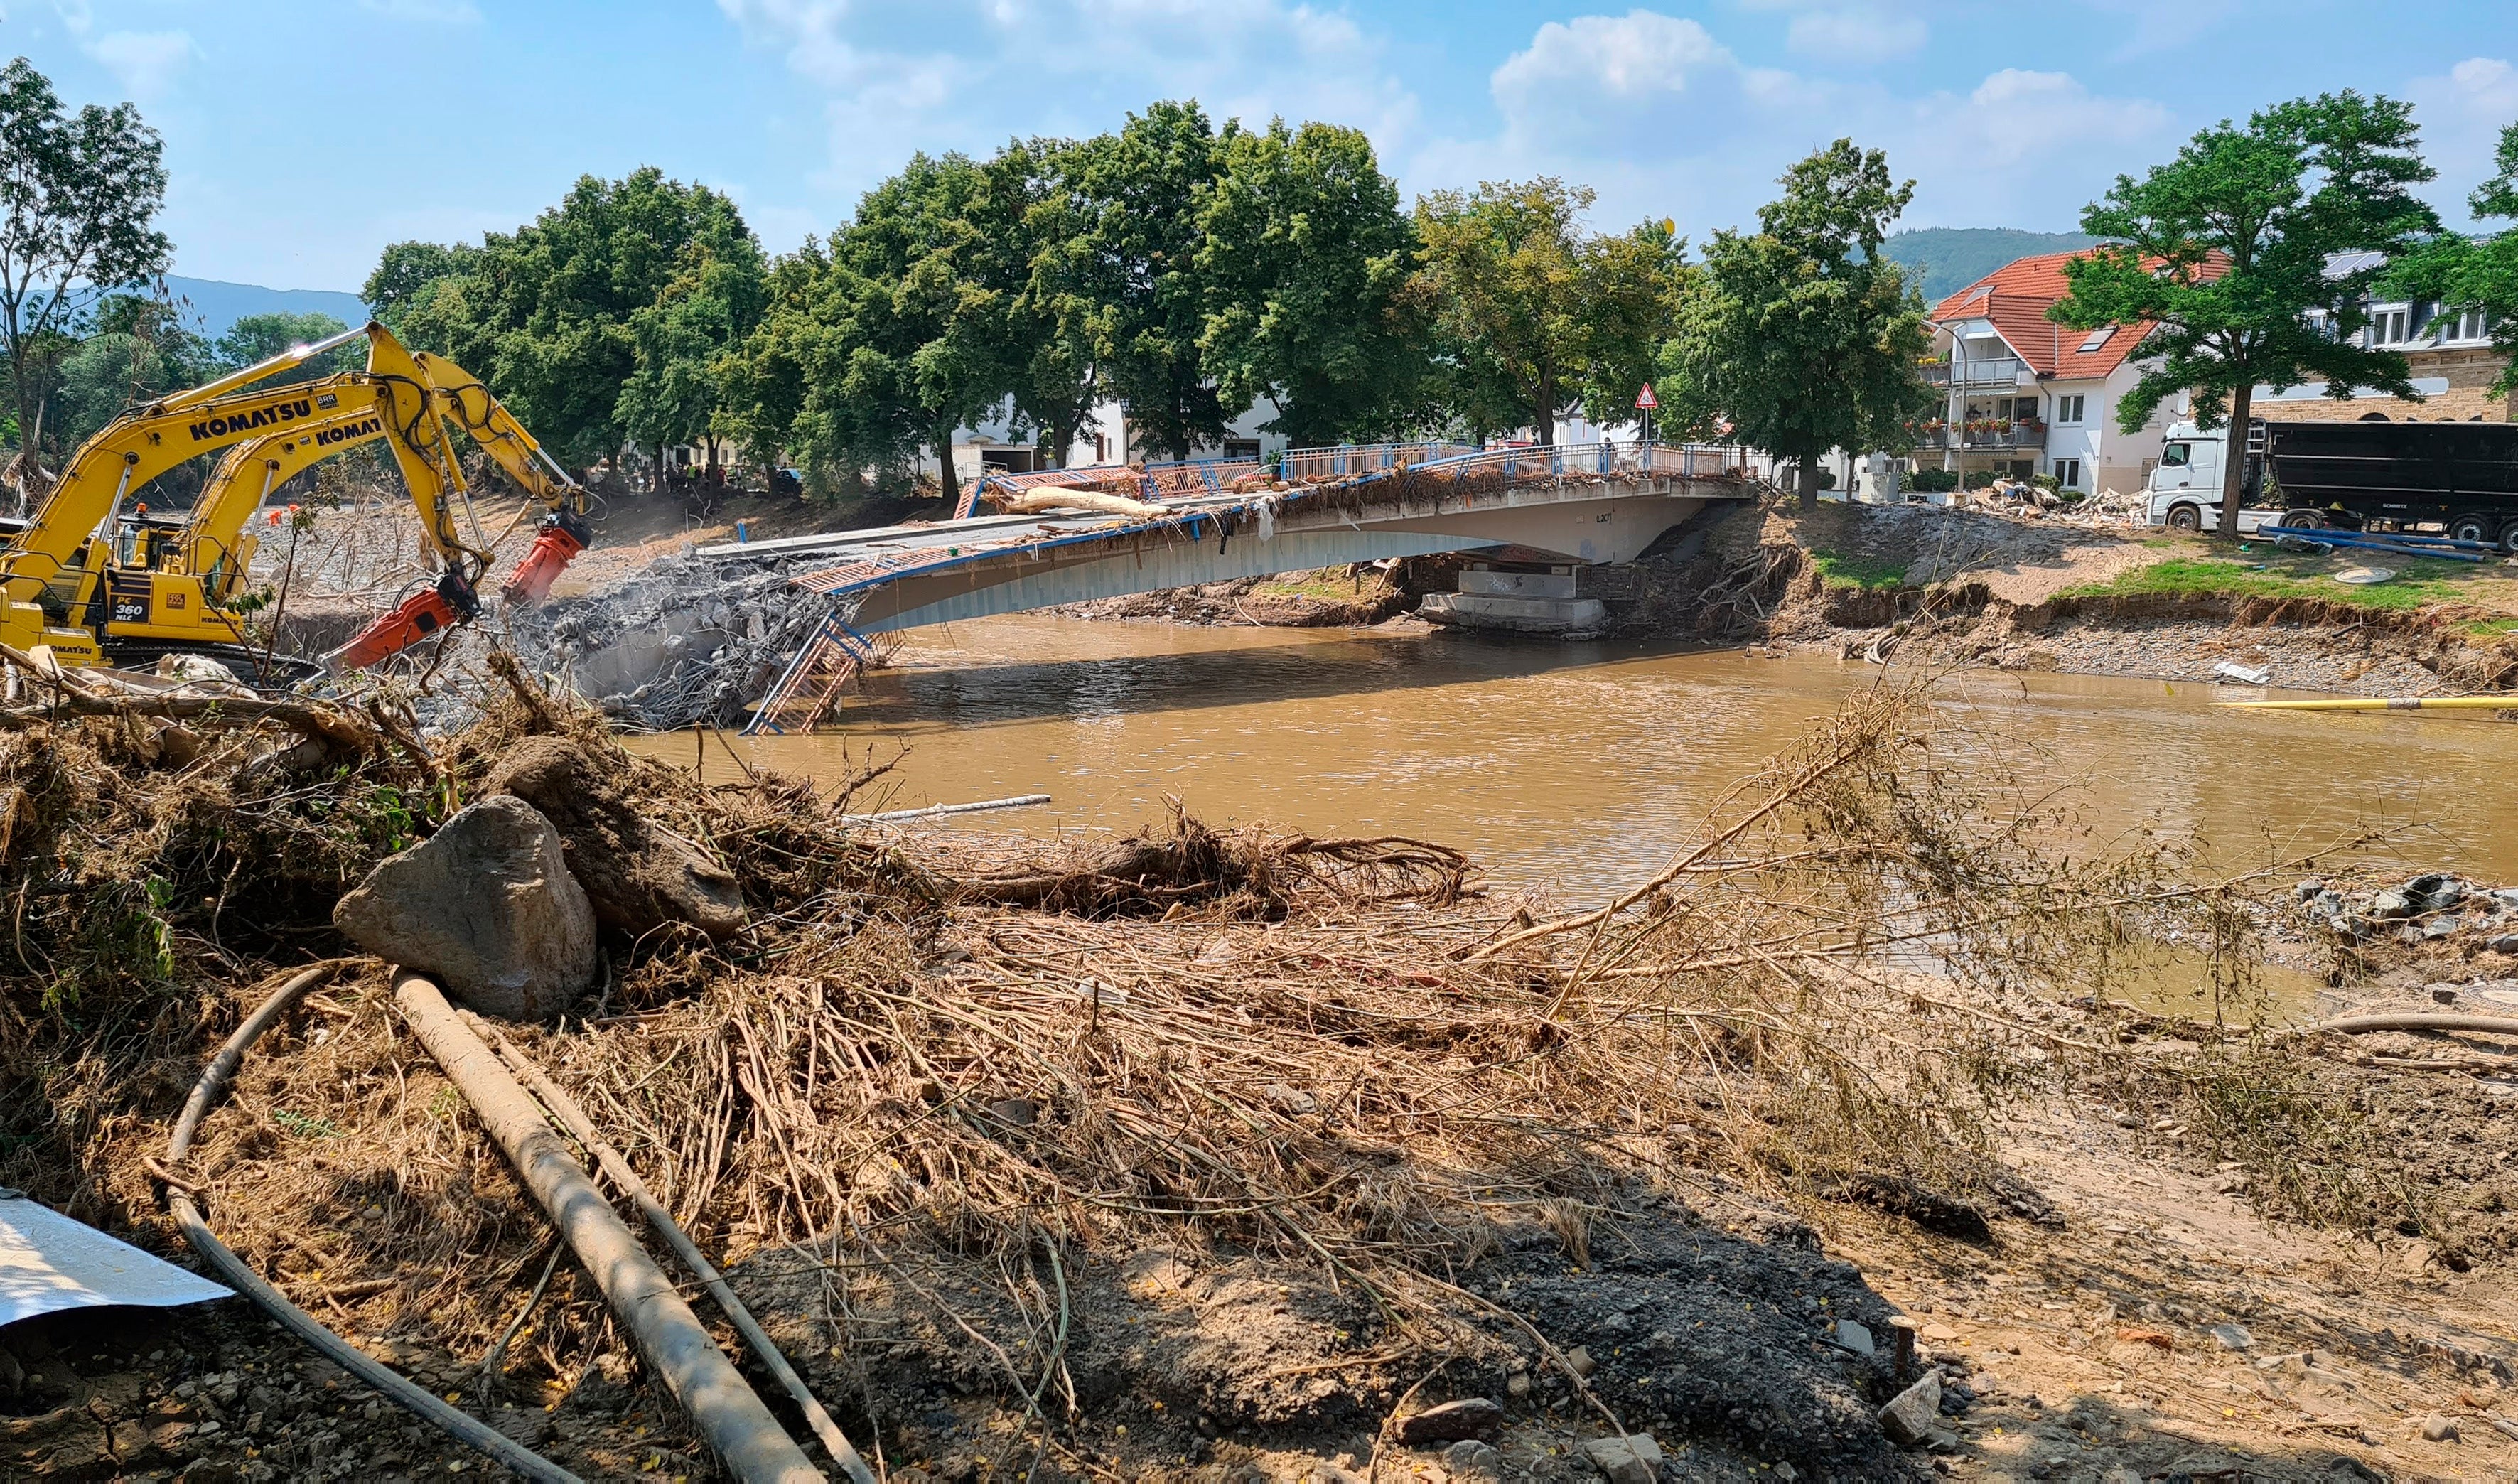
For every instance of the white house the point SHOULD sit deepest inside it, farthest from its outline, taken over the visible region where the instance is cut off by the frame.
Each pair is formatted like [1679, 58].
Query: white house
[1105, 437]
[2023, 395]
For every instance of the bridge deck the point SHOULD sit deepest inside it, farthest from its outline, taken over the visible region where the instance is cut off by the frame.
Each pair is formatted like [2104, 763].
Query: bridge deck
[1351, 504]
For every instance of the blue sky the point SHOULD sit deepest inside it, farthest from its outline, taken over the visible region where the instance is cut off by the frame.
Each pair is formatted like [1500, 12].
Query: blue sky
[302, 137]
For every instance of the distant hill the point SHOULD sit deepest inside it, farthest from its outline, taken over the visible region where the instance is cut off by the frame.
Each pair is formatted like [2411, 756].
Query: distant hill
[214, 306]
[1950, 258]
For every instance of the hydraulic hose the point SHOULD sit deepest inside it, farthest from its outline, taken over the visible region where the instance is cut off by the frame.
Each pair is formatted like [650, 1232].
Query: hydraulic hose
[208, 1093]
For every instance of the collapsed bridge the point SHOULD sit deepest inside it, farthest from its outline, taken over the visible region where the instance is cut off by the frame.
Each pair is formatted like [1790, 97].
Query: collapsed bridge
[1209, 522]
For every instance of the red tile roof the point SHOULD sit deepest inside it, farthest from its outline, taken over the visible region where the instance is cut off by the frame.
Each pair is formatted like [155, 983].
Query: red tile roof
[2015, 296]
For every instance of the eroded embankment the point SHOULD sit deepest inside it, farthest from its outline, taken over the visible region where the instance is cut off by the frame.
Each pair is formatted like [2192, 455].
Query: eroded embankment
[1974, 588]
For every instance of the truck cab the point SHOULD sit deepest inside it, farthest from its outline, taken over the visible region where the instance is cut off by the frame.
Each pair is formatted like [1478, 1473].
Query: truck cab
[2183, 493]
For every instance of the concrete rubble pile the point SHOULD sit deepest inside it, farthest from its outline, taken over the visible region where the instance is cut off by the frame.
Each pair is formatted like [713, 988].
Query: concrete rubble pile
[686, 640]
[2427, 907]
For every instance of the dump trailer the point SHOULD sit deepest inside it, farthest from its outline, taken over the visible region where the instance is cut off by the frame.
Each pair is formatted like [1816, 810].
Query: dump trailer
[2461, 477]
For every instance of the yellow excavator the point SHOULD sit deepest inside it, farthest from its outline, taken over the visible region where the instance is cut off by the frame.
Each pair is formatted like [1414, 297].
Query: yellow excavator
[96, 588]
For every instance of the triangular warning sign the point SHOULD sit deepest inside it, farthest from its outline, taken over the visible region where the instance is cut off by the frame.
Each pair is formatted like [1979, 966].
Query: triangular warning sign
[1645, 401]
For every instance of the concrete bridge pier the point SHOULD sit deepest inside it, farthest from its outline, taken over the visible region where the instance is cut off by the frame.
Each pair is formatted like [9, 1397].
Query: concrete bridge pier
[1518, 602]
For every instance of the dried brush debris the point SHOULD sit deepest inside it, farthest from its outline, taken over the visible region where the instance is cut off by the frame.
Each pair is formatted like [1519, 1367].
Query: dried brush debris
[961, 1069]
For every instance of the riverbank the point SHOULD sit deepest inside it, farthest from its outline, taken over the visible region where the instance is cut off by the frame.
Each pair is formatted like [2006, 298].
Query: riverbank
[1227, 1155]
[2006, 589]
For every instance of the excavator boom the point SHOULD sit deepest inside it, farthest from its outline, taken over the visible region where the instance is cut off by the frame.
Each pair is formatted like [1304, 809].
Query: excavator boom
[273, 431]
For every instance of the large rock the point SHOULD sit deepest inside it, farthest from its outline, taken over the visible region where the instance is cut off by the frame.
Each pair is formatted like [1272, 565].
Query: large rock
[639, 876]
[487, 907]
[1634, 1458]
[1475, 1417]
[1908, 1418]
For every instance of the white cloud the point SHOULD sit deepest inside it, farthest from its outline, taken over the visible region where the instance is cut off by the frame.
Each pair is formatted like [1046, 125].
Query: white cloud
[2462, 115]
[143, 62]
[1857, 33]
[967, 74]
[1663, 118]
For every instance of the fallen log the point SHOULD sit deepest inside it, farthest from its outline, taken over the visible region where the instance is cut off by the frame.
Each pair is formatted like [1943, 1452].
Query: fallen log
[61, 696]
[2408, 1020]
[676, 1345]
[1045, 501]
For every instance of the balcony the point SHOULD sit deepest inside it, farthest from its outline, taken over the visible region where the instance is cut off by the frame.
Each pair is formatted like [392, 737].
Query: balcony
[1991, 370]
[1988, 437]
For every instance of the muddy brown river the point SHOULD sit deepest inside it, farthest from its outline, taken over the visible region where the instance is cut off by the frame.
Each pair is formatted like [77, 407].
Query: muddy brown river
[1574, 770]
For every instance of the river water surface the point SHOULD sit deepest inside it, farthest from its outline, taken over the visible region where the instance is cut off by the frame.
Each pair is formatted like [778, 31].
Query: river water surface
[1575, 769]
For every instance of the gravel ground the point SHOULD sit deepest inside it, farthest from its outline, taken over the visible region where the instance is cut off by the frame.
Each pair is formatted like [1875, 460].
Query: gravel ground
[2300, 658]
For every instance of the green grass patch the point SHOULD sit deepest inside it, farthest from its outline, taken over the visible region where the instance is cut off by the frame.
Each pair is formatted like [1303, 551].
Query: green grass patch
[2266, 572]
[2483, 628]
[1840, 571]
[1326, 584]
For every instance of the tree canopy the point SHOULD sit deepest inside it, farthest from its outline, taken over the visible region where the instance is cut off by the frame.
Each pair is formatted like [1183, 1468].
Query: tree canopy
[2465, 275]
[1522, 302]
[1801, 335]
[1304, 261]
[544, 314]
[255, 338]
[79, 194]
[2233, 252]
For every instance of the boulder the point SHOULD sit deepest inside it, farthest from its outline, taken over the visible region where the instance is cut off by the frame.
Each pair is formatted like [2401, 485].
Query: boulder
[639, 876]
[1908, 1418]
[487, 907]
[1634, 1458]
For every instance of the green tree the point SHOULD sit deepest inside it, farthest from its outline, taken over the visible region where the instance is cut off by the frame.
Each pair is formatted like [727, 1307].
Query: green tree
[1499, 282]
[543, 315]
[1049, 325]
[406, 272]
[673, 396]
[2228, 252]
[1529, 315]
[135, 352]
[1304, 258]
[885, 341]
[77, 196]
[2464, 275]
[1632, 287]
[256, 338]
[1801, 335]
[1123, 252]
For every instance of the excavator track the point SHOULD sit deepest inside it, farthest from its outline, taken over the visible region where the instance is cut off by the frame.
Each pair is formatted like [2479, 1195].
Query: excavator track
[276, 672]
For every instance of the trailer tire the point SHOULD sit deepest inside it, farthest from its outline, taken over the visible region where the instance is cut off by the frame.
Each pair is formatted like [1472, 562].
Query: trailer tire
[2185, 517]
[2472, 528]
[2303, 519]
[2509, 536]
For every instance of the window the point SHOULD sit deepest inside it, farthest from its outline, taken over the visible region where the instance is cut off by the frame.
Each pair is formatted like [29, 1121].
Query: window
[2472, 324]
[2387, 326]
[2070, 409]
[2097, 338]
[2175, 456]
[2067, 473]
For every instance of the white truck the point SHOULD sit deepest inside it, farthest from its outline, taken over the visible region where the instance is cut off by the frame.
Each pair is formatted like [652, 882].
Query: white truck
[2185, 490]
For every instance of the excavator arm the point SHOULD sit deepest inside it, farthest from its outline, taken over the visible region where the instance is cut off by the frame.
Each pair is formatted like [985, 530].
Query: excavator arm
[400, 398]
[215, 542]
[563, 532]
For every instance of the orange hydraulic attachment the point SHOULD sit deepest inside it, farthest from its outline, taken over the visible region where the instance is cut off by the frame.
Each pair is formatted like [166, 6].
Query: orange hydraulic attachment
[451, 601]
[562, 535]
